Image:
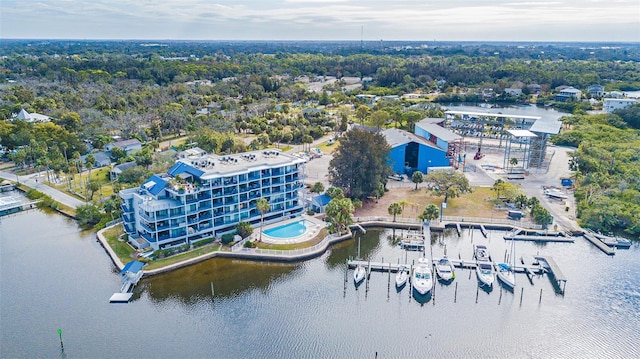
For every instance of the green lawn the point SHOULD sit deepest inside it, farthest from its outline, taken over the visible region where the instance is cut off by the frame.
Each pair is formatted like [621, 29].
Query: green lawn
[310, 243]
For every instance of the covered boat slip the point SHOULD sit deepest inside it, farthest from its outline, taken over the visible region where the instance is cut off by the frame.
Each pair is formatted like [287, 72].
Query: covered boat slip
[131, 274]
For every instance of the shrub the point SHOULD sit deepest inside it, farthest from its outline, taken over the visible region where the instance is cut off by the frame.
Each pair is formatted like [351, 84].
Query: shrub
[203, 242]
[227, 238]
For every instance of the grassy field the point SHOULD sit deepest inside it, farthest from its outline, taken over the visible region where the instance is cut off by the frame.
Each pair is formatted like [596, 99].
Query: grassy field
[101, 175]
[479, 203]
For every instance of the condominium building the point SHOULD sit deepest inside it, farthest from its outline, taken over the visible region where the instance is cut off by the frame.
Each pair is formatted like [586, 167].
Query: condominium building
[204, 196]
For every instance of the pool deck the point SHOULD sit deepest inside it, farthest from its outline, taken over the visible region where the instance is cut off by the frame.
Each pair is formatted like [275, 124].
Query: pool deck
[314, 225]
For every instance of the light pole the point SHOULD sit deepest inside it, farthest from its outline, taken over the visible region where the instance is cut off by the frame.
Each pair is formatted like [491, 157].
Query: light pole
[443, 205]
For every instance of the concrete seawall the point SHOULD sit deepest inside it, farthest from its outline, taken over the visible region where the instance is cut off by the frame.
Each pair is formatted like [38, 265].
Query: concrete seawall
[287, 255]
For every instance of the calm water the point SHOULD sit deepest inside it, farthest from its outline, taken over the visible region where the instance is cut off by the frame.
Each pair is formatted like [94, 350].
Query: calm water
[55, 276]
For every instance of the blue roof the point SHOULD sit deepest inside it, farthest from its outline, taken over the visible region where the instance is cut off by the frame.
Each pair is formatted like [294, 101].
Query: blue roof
[181, 167]
[322, 199]
[154, 184]
[133, 267]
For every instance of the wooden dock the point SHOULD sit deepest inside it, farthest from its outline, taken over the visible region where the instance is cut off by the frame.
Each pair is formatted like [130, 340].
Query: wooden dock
[483, 231]
[554, 269]
[376, 266]
[598, 243]
[458, 263]
[539, 238]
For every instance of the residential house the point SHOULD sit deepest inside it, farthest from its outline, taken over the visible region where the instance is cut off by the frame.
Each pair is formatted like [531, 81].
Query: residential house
[569, 94]
[611, 104]
[513, 91]
[130, 146]
[117, 170]
[102, 159]
[31, 117]
[595, 91]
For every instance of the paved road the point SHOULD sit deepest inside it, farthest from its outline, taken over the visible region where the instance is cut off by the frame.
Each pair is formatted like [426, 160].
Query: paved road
[35, 181]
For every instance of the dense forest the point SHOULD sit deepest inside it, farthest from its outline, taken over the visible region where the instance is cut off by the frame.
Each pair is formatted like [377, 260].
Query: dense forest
[234, 96]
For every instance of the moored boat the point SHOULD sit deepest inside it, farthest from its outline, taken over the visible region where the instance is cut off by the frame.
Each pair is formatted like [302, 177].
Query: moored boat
[484, 271]
[445, 269]
[505, 275]
[422, 280]
[481, 253]
[401, 276]
[358, 274]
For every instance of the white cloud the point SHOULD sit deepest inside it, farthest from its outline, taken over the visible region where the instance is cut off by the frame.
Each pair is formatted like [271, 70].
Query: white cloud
[310, 19]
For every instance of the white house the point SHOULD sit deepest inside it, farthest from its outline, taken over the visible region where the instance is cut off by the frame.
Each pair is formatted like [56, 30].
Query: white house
[569, 94]
[32, 117]
[612, 104]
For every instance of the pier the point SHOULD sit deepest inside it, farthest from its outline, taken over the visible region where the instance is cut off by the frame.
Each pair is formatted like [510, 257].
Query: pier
[554, 269]
[539, 238]
[598, 243]
[12, 204]
[131, 274]
[458, 263]
[483, 230]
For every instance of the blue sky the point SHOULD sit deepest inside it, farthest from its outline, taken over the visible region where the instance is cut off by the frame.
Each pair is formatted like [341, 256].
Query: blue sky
[446, 20]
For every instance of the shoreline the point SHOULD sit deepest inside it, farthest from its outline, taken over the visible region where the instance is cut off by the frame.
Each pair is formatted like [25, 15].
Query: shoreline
[299, 255]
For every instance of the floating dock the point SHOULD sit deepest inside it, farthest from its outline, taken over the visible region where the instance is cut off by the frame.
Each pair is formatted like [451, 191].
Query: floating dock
[458, 263]
[131, 274]
[598, 243]
[554, 269]
[483, 231]
[539, 238]
[14, 204]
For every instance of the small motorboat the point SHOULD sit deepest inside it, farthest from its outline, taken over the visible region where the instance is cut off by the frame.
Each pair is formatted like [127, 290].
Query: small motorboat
[505, 275]
[481, 253]
[422, 280]
[402, 276]
[445, 269]
[484, 271]
[358, 274]
[623, 242]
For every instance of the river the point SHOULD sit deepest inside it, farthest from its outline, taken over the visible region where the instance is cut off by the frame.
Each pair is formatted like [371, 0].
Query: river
[55, 276]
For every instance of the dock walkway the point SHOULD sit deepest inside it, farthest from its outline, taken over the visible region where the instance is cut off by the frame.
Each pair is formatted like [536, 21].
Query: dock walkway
[539, 238]
[598, 243]
[561, 280]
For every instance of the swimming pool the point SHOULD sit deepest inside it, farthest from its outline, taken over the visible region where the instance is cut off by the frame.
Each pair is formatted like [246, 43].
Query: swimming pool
[289, 230]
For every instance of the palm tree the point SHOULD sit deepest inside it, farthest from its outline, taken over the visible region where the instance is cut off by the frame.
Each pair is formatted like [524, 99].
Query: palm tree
[403, 203]
[394, 209]
[514, 162]
[431, 212]
[262, 205]
[417, 177]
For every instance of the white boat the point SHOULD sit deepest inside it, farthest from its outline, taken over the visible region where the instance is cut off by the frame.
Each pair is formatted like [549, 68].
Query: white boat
[484, 271]
[481, 253]
[445, 270]
[623, 242]
[422, 280]
[401, 276]
[359, 274]
[505, 275]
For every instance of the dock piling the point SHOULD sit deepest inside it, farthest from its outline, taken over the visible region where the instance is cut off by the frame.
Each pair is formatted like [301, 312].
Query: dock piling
[540, 299]
[521, 292]
[477, 292]
[455, 294]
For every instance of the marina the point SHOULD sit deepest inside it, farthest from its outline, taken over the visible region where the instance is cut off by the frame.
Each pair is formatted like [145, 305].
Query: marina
[285, 307]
